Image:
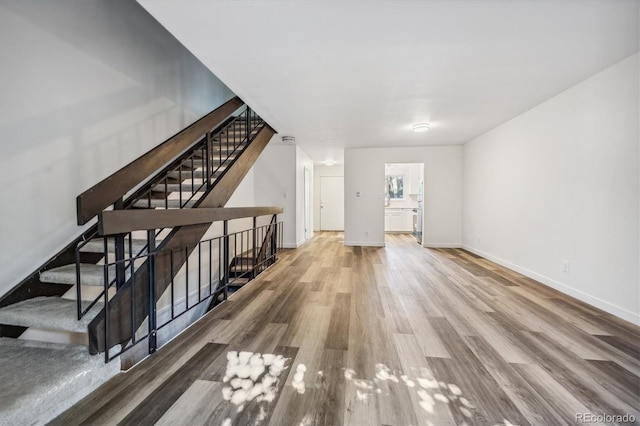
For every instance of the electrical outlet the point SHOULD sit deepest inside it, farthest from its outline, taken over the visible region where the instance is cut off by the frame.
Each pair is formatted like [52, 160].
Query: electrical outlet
[478, 239]
[565, 266]
[366, 233]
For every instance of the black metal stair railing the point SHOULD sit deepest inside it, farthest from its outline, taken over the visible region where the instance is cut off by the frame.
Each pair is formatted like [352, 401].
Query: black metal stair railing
[193, 173]
[206, 277]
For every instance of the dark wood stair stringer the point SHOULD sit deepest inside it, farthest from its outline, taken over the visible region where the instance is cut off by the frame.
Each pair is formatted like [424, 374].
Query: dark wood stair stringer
[120, 316]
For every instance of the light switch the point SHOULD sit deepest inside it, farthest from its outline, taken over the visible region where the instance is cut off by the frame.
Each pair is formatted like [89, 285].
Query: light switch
[358, 194]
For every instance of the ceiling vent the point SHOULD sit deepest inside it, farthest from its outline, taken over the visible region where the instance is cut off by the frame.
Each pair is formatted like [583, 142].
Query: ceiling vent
[289, 139]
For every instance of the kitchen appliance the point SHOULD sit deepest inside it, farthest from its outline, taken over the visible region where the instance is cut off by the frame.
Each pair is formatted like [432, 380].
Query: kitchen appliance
[417, 219]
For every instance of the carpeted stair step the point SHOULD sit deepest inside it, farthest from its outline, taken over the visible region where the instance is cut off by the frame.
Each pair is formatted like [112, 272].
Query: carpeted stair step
[161, 203]
[97, 246]
[49, 313]
[199, 162]
[177, 187]
[89, 274]
[41, 380]
[238, 131]
[217, 149]
[197, 174]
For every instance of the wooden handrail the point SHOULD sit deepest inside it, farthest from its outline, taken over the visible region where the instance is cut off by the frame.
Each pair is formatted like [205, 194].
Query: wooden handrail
[123, 221]
[123, 318]
[109, 190]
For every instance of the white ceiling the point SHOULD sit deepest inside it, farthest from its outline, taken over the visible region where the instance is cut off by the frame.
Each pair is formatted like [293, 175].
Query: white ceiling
[342, 74]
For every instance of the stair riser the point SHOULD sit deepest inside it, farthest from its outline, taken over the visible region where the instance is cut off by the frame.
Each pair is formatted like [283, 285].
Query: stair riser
[97, 246]
[198, 162]
[160, 203]
[174, 187]
[197, 174]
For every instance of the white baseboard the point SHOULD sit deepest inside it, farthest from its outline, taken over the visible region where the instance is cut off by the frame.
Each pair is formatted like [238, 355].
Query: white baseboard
[364, 243]
[616, 310]
[290, 245]
[442, 245]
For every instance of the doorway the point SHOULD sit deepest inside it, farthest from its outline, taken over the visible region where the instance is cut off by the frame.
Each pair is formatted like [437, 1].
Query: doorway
[404, 199]
[307, 204]
[332, 203]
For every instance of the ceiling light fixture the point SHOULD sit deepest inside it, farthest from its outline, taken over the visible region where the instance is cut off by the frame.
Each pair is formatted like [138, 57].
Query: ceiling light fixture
[421, 127]
[329, 162]
[289, 139]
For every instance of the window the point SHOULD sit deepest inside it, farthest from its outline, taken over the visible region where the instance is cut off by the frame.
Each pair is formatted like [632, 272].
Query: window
[395, 187]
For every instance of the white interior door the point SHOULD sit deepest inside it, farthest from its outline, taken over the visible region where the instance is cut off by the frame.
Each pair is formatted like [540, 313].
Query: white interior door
[332, 203]
[307, 204]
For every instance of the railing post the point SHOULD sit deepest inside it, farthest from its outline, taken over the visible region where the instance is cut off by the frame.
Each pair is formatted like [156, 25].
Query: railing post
[208, 171]
[78, 286]
[248, 124]
[106, 305]
[255, 247]
[225, 258]
[151, 241]
[274, 240]
[119, 251]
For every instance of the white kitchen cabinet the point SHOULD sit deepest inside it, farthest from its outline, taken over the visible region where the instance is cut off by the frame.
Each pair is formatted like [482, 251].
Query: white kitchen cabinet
[398, 220]
[407, 220]
[393, 220]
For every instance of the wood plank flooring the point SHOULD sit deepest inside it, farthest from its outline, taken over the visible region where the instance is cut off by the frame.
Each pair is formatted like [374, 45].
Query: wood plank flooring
[391, 336]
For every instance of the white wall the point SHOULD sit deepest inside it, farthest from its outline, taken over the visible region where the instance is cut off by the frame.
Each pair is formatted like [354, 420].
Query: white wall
[279, 181]
[302, 161]
[364, 173]
[86, 88]
[275, 185]
[319, 172]
[560, 182]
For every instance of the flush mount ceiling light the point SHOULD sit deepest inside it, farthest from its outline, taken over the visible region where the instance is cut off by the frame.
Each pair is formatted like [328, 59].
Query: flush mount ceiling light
[289, 139]
[421, 127]
[329, 162]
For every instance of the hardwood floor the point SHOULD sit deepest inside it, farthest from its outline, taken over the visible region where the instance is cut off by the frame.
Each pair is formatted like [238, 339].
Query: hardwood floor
[394, 336]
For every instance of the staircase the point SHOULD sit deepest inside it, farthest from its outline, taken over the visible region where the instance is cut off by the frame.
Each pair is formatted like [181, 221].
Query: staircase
[75, 292]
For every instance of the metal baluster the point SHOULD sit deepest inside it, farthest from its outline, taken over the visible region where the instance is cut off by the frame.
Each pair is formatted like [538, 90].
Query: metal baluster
[106, 305]
[78, 290]
[248, 123]
[208, 170]
[255, 246]
[173, 315]
[151, 242]
[119, 250]
[186, 254]
[226, 258]
[133, 294]
[210, 267]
